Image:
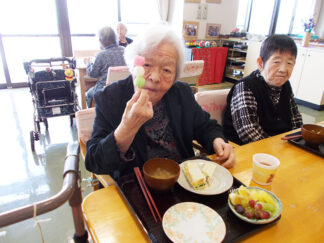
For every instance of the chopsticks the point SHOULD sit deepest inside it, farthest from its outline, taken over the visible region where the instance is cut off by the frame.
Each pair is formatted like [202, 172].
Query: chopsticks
[291, 137]
[147, 195]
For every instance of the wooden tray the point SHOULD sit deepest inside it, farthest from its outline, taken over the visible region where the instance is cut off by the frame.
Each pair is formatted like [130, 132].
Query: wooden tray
[300, 142]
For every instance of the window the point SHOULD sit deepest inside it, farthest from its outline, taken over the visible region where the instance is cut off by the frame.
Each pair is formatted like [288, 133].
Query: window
[31, 24]
[261, 14]
[304, 11]
[242, 13]
[17, 53]
[86, 18]
[286, 13]
[138, 14]
[34, 24]
[290, 19]
[28, 17]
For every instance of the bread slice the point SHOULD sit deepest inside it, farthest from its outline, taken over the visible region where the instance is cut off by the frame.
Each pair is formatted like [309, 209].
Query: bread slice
[194, 175]
[209, 170]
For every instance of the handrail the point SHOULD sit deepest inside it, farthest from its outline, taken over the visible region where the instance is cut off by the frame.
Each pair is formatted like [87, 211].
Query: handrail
[70, 191]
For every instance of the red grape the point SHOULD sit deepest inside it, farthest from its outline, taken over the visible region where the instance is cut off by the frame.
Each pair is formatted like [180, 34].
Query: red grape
[258, 206]
[239, 208]
[252, 203]
[249, 215]
[265, 215]
[257, 214]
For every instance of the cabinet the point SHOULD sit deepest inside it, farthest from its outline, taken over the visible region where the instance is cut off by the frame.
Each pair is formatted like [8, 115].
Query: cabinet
[214, 58]
[307, 79]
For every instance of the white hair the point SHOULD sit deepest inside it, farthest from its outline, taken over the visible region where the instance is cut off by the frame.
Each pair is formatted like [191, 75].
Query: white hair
[152, 37]
[120, 24]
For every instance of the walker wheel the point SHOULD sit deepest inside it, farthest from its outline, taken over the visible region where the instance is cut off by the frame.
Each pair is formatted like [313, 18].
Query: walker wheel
[38, 126]
[32, 141]
[46, 123]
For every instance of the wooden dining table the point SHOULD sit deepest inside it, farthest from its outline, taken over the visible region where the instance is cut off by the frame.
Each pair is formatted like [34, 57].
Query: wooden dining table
[298, 183]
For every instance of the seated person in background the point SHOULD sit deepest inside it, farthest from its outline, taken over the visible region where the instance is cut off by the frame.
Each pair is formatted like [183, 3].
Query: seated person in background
[121, 31]
[112, 55]
[262, 104]
[161, 119]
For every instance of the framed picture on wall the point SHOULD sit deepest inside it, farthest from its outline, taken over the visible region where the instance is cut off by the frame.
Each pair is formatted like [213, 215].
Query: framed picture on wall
[190, 30]
[212, 30]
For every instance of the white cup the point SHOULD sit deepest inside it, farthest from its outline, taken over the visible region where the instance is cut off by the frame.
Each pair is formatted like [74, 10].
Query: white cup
[264, 168]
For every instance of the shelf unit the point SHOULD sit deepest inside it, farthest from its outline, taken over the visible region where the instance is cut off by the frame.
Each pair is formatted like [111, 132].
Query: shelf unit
[235, 62]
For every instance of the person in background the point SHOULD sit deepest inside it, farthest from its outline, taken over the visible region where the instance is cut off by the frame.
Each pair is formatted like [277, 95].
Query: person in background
[111, 55]
[121, 31]
[160, 119]
[262, 104]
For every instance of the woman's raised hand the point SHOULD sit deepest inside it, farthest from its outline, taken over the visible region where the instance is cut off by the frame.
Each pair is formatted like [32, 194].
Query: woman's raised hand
[138, 110]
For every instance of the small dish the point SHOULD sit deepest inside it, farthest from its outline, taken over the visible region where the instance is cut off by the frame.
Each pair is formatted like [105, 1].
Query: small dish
[313, 134]
[257, 221]
[193, 222]
[222, 179]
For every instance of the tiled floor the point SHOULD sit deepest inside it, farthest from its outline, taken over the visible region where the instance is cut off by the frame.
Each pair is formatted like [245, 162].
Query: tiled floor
[27, 177]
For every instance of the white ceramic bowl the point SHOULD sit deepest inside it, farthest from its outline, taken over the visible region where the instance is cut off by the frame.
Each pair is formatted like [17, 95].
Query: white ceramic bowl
[257, 221]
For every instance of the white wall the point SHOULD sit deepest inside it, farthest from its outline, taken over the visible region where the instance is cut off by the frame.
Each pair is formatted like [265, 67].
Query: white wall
[224, 13]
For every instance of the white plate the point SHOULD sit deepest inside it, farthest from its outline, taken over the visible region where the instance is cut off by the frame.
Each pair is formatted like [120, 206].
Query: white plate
[193, 222]
[222, 180]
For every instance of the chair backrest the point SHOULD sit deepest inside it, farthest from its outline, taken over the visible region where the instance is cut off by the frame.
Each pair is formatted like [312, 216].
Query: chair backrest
[85, 53]
[192, 71]
[214, 102]
[84, 120]
[117, 73]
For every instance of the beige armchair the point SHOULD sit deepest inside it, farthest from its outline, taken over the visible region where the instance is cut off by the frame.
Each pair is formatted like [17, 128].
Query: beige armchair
[84, 119]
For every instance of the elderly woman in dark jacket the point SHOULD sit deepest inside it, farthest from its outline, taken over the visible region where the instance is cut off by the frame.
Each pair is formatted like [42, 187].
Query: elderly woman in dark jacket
[161, 119]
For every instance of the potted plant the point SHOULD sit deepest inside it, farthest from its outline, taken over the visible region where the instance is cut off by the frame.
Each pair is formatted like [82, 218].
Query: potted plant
[308, 27]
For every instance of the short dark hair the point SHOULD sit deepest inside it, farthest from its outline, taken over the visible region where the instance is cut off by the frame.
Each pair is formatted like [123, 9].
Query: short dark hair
[274, 43]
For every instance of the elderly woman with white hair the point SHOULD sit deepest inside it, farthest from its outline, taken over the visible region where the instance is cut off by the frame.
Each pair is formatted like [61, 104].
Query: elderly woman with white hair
[112, 55]
[161, 119]
[122, 31]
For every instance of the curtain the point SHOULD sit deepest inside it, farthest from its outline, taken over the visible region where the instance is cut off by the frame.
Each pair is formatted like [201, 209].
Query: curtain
[163, 6]
[316, 10]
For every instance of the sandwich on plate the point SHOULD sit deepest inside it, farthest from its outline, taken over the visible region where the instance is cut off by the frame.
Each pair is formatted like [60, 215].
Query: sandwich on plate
[208, 170]
[194, 175]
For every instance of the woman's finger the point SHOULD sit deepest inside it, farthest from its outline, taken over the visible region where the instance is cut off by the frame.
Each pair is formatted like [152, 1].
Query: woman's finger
[132, 100]
[230, 162]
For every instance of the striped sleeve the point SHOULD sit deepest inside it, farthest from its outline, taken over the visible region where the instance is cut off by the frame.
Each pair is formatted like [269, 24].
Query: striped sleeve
[244, 115]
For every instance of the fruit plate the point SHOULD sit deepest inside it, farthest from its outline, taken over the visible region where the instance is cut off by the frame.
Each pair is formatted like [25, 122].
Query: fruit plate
[222, 179]
[257, 221]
